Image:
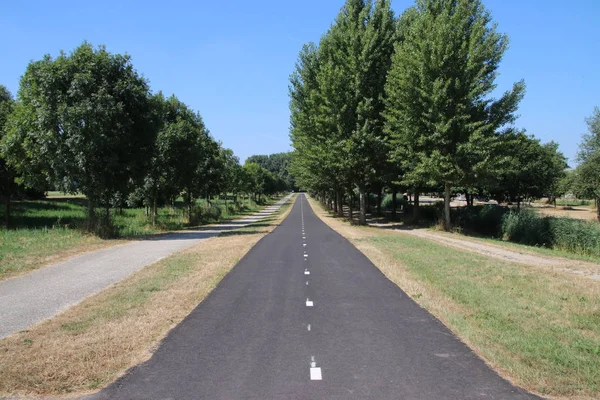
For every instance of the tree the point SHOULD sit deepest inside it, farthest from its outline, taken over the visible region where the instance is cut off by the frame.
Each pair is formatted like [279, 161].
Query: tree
[231, 165]
[588, 172]
[84, 124]
[528, 168]
[256, 179]
[7, 174]
[439, 111]
[177, 154]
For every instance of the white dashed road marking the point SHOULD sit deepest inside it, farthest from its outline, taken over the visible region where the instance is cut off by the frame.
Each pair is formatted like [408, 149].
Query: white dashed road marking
[315, 372]
[309, 303]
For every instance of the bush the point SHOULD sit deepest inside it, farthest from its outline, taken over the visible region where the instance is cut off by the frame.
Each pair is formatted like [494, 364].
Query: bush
[526, 227]
[575, 236]
[568, 234]
[485, 220]
[430, 214]
[387, 203]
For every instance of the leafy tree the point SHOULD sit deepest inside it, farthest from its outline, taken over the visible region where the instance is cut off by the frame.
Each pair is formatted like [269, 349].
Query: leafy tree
[531, 169]
[255, 175]
[178, 152]
[316, 160]
[231, 165]
[278, 164]
[439, 111]
[7, 174]
[84, 123]
[588, 172]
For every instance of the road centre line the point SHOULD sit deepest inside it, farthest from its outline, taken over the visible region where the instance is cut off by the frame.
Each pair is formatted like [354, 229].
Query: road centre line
[315, 372]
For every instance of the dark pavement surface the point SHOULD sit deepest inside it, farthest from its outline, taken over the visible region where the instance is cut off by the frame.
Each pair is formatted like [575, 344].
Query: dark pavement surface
[250, 338]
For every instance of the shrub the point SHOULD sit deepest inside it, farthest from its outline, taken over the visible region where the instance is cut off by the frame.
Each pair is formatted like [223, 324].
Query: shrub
[429, 214]
[387, 203]
[568, 234]
[485, 220]
[575, 236]
[526, 227]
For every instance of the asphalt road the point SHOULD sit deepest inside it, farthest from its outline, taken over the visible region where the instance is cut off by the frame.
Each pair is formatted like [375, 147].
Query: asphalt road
[43, 293]
[304, 315]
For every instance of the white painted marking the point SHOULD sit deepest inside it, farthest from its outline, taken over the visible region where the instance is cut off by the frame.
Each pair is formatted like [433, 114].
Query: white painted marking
[306, 255]
[315, 374]
[307, 281]
[308, 327]
[306, 272]
[303, 237]
[304, 244]
[309, 303]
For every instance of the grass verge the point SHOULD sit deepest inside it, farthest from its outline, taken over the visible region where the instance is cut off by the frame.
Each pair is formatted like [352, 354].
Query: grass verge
[96, 341]
[539, 329]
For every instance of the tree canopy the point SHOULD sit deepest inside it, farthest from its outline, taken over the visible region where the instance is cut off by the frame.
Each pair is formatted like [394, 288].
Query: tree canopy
[407, 104]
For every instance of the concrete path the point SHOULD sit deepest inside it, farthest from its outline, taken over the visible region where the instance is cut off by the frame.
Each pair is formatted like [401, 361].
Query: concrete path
[305, 315]
[47, 291]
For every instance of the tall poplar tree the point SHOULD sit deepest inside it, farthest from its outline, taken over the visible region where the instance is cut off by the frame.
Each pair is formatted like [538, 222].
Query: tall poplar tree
[7, 174]
[439, 110]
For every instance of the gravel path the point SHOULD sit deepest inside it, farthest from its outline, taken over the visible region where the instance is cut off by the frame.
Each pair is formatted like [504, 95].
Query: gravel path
[29, 299]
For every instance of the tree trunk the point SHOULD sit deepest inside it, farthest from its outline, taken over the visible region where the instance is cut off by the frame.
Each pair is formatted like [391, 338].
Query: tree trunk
[106, 229]
[350, 207]
[518, 202]
[447, 207]
[7, 210]
[154, 211]
[379, 199]
[394, 196]
[598, 208]
[363, 207]
[416, 207]
[340, 204]
[91, 216]
[189, 208]
[468, 199]
[335, 204]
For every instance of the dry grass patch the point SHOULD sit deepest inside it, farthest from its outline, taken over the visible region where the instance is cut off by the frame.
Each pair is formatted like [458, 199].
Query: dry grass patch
[96, 341]
[538, 328]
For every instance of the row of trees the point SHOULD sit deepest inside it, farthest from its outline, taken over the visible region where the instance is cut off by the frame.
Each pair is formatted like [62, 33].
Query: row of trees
[405, 104]
[279, 165]
[88, 123]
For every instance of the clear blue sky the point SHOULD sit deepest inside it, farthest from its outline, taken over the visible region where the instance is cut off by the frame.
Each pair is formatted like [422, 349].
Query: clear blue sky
[231, 60]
